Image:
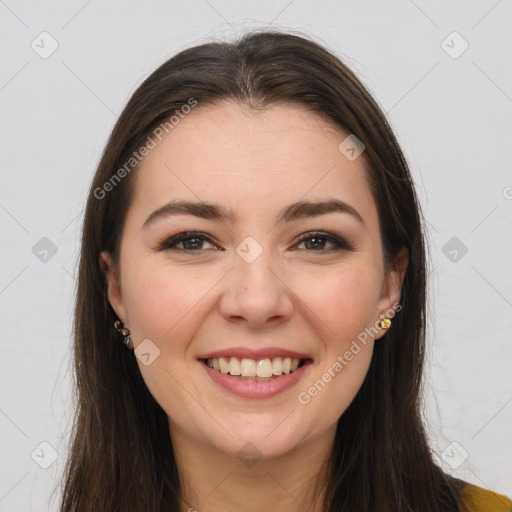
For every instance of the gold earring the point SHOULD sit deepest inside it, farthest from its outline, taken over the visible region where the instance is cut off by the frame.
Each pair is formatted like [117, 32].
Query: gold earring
[124, 332]
[385, 323]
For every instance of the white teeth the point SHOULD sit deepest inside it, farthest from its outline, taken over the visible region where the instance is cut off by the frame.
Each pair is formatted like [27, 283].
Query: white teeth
[248, 368]
[234, 366]
[265, 368]
[223, 362]
[277, 366]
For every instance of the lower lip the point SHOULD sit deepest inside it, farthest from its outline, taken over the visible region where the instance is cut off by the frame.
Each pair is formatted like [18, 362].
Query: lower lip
[254, 389]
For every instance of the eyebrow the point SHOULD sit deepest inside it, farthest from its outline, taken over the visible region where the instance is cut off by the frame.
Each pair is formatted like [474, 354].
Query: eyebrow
[206, 210]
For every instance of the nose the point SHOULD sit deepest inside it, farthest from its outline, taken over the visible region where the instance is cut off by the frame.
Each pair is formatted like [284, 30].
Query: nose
[256, 294]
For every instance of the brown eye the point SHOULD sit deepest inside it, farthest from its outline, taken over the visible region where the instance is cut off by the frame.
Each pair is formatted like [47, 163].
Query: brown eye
[317, 240]
[192, 242]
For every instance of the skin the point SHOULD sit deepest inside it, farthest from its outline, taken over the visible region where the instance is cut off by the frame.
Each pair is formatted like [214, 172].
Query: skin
[293, 295]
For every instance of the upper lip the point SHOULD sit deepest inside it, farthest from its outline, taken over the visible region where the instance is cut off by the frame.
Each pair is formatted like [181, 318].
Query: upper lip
[256, 354]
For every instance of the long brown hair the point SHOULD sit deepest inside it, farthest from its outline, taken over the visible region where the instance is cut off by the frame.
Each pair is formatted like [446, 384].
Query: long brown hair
[121, 456]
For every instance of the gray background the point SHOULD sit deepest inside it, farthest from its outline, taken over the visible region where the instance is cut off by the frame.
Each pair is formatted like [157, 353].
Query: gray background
[451, 110]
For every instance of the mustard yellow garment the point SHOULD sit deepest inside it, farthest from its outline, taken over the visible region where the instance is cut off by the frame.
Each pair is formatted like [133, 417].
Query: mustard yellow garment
[478, 499]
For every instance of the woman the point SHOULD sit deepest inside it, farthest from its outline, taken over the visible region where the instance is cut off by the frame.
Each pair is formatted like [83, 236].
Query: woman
[253, 236]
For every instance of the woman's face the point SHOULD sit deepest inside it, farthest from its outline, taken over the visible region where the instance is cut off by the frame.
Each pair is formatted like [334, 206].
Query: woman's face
[247, 287]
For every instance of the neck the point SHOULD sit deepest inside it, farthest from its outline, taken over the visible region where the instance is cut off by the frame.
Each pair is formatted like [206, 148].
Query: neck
[215, 482]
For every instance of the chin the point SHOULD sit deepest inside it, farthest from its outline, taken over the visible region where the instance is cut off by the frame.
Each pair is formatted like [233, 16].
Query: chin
[258, 437]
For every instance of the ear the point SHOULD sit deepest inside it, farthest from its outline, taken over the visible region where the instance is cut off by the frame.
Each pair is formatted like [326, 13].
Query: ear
[113, 285]
[392, 287]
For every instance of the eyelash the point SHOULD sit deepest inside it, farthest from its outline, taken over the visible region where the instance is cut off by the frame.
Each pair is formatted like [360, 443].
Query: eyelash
[339, 243]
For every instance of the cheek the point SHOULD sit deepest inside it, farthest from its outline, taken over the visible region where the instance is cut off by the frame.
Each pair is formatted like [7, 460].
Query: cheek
[351, 300]
[165, 302]
[169, 302]
[344, 300]
[167, 305]
[344, 304]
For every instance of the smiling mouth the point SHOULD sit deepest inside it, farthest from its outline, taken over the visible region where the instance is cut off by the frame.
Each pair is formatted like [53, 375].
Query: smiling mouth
[262, 370]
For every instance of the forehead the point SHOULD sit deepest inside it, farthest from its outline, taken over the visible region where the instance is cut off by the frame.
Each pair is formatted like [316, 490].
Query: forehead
[252, 160]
